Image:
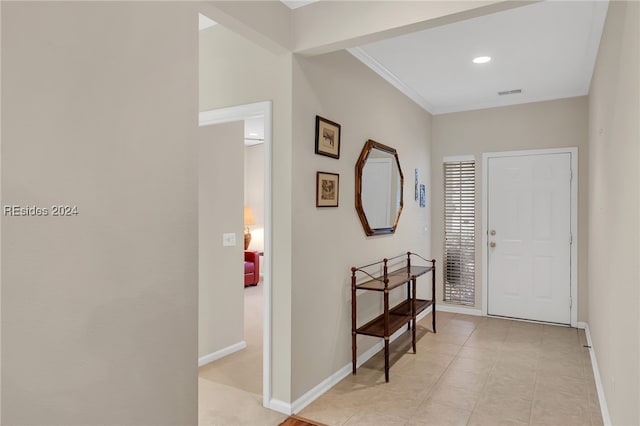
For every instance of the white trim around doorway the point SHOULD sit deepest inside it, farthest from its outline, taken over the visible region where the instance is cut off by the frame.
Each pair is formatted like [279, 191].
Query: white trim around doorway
[244, 112]
[573, 151]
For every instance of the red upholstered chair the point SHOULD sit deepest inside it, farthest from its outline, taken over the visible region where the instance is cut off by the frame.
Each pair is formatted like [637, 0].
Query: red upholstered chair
[251, 268]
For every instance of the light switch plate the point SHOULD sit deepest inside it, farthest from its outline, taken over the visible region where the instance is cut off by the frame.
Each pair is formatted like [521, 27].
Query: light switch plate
[228, 239]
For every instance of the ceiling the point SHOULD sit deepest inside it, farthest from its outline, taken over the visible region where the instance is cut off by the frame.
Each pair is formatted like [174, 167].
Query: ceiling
[546, 49]
[294, 4]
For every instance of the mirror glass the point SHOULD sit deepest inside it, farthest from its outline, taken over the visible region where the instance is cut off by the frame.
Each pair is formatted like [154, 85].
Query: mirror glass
[379, 183]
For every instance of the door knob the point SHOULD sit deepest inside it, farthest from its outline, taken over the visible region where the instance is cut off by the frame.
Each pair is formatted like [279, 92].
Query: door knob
[492, 232]
[492, 244]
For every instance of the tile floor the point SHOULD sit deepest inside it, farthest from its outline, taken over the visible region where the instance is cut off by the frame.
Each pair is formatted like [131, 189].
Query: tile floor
[474, 371]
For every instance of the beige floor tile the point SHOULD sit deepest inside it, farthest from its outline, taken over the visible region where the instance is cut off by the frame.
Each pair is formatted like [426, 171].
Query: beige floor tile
[474, 382]
[459, 397]
[560, 341]
[329, 410]
[493, 333]
[562, 367]
[596, 416]
[433, 357]
[587, 368]
[453, 338]
[563, 387]
[465, 322]
[524, 364]
[384, 404]
[364, 378]
[425, 363]
[561, 351]
[375, 419]
[495, 377]
[438, 347]
[495, 323]
[478, 419]
[556, 330]
[503, 408]
[518, 336]
[560, 412]
[486, 339]
[525, 325]
[436, 413]
[474, 352]
[475, 365]
[444, 315]
[582, 338]
[412, 386]
[594, 402]
[456, 329]
[509, 387]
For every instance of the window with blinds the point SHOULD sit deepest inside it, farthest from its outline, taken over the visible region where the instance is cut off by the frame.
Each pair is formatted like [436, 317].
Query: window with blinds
[459, 231]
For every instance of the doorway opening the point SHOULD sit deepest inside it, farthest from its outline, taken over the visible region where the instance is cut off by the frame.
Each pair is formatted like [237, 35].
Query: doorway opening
[258, 297]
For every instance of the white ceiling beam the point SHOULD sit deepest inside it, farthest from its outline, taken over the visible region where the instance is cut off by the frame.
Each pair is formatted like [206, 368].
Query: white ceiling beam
[327, 26]
[266, 23]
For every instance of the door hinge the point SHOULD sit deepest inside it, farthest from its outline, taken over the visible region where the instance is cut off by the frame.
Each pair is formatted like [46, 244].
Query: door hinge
[570, 175]
[570, 302]
[570, 239]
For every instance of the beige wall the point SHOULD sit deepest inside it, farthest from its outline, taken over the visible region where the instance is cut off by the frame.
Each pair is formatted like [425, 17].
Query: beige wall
[614, 234]
[99, 110]
[552, 124]
[220, 210]
[329, 241]
[254, 192]
[234, 71]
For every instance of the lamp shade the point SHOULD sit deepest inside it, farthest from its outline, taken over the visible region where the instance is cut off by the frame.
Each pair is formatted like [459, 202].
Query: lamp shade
[248, 216]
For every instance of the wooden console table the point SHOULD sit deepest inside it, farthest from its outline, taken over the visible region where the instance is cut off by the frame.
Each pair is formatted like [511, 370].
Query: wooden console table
[392, 318]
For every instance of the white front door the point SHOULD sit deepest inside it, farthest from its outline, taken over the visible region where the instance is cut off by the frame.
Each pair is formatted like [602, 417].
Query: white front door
[529, 237]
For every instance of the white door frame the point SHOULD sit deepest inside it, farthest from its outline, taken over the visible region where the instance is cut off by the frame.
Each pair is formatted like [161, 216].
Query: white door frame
[573, 151]
[238, 113]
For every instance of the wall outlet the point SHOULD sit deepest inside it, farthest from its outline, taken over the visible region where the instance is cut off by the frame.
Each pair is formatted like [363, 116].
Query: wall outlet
[228, 239]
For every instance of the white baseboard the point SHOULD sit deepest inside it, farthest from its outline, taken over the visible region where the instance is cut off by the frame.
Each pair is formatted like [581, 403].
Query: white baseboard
[280, 406]
[343, 372]
[204, 360]
[320, 389]
[458, 310]
[596, 375]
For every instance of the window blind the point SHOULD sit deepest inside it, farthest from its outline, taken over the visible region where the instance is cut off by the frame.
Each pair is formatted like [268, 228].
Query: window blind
[459, 225]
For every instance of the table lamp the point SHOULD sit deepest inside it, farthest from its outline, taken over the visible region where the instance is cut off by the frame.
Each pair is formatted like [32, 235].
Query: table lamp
[248, 220]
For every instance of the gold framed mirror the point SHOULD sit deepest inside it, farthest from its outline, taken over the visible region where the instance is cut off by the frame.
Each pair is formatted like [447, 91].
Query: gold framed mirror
[379, 188]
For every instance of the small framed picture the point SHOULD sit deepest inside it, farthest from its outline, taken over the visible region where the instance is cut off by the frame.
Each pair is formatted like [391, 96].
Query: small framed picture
[327, 189]
[423, 201]
[327, 137]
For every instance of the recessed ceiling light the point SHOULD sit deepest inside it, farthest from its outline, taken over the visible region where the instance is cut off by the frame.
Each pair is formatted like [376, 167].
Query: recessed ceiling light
[481, 59]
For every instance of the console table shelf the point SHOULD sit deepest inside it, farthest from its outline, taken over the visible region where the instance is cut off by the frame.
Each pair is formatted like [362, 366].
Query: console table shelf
[394, 318]
[395, 278]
